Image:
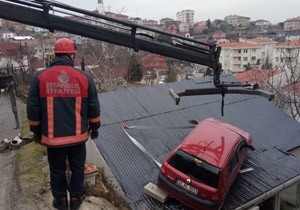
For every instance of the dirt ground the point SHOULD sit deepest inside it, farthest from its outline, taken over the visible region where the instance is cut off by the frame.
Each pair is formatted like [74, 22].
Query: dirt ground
[24, 180]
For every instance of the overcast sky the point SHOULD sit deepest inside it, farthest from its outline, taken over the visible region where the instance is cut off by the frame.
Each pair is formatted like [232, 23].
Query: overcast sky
[273, 10]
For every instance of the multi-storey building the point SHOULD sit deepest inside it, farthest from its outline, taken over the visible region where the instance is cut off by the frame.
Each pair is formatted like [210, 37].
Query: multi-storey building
[292, 24]
[165, 20]
[171, 26]
[100, 7]
[262, 23]
[117, 16]
[287, 54]
[184, 27]
[260, 53]
[200, 27]
[217, 35]
[238, 21]
[5, 34]
[186, 16]
[238, 56]
[266, 57]
[148, 22]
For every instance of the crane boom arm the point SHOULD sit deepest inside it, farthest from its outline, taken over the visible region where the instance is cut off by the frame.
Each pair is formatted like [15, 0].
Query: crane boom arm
[38, 14]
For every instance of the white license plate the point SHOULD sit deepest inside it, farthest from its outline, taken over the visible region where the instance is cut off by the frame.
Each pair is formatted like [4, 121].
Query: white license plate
[187, 187]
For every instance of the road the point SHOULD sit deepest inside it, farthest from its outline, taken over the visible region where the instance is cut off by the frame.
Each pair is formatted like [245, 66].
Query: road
[7, 120]
[7, 166]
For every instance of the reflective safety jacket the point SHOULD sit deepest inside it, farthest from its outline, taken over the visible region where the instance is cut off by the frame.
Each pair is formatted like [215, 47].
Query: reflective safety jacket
[63, 104]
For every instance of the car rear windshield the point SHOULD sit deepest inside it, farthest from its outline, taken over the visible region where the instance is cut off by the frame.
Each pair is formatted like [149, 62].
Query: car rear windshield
[195, 168]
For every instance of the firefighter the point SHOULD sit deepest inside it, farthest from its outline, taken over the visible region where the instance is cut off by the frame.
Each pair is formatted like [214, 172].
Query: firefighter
[63, 110]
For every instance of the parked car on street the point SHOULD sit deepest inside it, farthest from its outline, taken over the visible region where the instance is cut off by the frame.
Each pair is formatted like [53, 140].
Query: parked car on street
[200, 171]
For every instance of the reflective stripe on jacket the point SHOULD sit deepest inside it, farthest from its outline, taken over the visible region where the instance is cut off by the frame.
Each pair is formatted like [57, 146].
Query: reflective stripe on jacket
[63, 104]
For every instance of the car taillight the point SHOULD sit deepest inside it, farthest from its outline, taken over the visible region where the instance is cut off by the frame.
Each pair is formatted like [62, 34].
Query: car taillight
[162, 170]
[215, 198]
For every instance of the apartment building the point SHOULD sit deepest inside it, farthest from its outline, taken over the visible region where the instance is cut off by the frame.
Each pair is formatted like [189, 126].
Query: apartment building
[165, 20]
[217, 35]
[238, 56]
[267, 53]
[238, 21]
[199, 27]
[292, 24]
[287, 54]
[259, 53]
[186, 16]
[5, 34]
[184, 27]
[100, 7]
[262, 23]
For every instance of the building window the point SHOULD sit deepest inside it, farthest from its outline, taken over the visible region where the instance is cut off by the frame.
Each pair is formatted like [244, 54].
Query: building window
[277, 59]
[245, 51]
[253, 58]
[245, 58]
[240, 51]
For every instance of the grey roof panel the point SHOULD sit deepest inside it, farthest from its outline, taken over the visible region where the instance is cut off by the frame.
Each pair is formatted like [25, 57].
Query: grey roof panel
[273, 132]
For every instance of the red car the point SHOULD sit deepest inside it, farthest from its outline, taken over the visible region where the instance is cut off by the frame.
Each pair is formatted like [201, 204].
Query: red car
[200, 171]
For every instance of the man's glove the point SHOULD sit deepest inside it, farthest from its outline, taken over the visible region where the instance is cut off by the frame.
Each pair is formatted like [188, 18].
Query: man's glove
[37, 137]
[94, 134]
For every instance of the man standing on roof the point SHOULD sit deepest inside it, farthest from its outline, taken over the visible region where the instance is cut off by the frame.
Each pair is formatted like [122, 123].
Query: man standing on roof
[63, 109]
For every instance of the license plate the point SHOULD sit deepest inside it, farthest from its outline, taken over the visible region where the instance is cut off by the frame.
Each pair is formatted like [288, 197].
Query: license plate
[187, 187]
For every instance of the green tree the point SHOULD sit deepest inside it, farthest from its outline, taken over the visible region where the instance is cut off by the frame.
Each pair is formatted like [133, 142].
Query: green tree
[134, 71]
[280, 25]
[208, 72]
[171, 73]
[208, 23]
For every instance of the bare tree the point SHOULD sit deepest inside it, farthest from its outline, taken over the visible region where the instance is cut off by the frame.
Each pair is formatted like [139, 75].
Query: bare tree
[171, 72]
[289, 92]
[108, 62]
[284, 82]
[286, 85]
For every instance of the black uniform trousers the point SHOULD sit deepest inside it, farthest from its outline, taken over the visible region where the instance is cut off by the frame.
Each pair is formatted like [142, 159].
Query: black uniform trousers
[76, 155]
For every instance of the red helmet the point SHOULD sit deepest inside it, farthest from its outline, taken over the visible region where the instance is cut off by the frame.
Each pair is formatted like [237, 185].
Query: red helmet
[64, 46]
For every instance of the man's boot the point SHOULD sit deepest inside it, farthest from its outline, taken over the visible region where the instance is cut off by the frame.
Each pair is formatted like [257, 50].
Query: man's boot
[60, 203]
[75, 202]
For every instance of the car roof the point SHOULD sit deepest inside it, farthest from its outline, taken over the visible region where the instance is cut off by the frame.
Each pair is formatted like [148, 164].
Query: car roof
[212, 141]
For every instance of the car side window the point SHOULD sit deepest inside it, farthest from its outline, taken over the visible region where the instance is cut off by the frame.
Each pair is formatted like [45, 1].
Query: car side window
[242, 146]
[232, 162]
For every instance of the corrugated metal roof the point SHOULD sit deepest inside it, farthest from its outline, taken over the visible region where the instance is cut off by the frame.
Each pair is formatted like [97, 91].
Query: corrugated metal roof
[273, 132]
